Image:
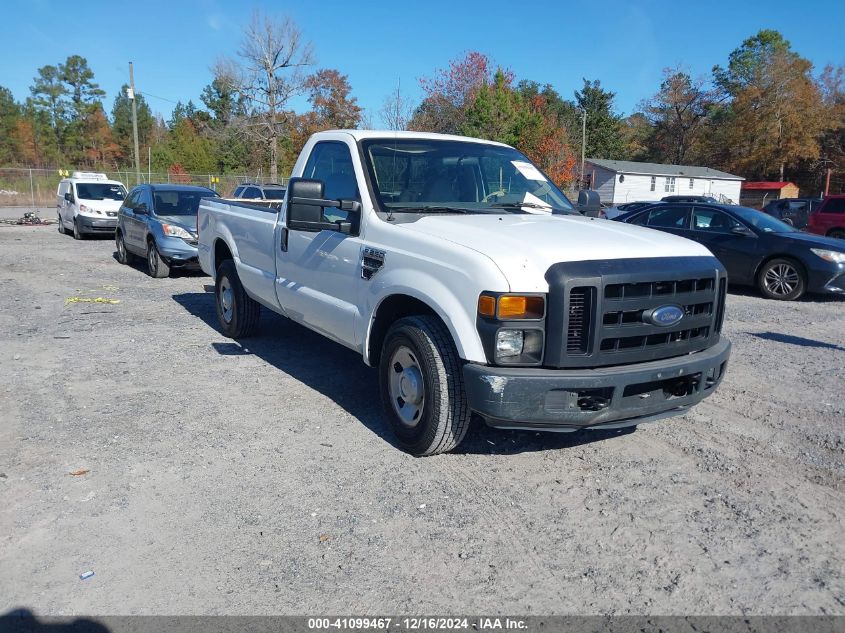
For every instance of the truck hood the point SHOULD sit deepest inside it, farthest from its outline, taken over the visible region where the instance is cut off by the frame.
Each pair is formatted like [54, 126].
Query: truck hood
[525, 246]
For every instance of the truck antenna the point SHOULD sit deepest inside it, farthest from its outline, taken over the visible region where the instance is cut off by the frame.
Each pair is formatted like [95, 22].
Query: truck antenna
[395, 139]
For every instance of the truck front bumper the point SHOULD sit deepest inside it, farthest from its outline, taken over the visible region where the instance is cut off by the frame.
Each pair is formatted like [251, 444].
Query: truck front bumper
[605, 397]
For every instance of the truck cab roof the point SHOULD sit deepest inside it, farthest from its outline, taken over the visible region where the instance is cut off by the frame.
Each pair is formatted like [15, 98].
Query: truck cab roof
[360, 135]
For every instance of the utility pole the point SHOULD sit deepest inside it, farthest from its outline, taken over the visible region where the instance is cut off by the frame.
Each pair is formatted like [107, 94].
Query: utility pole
[131, 95]
[583, 142]
[827, 182]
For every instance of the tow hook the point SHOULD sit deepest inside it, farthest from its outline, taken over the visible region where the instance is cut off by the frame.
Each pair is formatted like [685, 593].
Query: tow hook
[593, 403]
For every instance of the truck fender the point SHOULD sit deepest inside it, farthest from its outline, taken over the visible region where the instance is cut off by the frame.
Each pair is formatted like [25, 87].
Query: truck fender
[223, 235]
[436, 296]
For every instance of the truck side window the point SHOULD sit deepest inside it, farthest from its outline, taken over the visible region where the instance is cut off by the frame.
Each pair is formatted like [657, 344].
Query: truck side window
[331, 162]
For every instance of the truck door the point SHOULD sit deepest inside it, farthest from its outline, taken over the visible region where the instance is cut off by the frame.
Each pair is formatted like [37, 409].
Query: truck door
[318, 276]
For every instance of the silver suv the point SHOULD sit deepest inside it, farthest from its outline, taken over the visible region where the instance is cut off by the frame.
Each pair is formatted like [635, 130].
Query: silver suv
[251, 191]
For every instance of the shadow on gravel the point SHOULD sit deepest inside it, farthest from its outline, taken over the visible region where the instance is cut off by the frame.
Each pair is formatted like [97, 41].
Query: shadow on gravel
[25, 621]
[747, 291]
[795, 340]
[140, 264]
[339, 374]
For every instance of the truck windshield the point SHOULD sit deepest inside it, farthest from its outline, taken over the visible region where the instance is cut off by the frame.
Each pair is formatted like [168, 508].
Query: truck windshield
[437, 176]
[99, 191]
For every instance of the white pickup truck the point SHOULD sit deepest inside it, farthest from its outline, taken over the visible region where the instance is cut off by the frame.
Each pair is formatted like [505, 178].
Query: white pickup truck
[456, 267]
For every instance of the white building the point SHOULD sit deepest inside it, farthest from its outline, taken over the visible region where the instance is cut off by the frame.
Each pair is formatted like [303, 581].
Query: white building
[619, 181]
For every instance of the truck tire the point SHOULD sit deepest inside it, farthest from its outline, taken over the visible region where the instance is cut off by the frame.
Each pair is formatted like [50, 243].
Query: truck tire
[422, 387]
[782, 279]
[156, 266]
[77, 234]
[839, 234]
[237, 312]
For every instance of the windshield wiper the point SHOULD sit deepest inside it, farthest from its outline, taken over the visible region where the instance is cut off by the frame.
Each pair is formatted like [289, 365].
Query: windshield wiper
[528, 205]
[435, 209]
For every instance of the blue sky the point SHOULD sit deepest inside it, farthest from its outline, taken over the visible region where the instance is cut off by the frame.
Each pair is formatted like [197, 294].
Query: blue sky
[624, 44]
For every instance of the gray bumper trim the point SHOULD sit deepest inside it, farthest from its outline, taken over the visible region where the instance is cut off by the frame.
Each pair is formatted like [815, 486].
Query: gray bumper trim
[547, 399]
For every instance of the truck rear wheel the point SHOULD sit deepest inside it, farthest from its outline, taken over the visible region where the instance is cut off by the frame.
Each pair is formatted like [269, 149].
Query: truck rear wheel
[422, 387]
[237, 312]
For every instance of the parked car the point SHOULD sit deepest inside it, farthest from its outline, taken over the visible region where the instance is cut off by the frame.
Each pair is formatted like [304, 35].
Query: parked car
[691, 198]
[793, 211]
[159, 223]
[757, 249]
[626, 207]
[464, 275]
[87, 204]
[829, 218]
[250, 191]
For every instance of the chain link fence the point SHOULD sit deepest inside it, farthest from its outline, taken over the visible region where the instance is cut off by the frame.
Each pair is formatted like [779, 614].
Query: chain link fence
[33, 188]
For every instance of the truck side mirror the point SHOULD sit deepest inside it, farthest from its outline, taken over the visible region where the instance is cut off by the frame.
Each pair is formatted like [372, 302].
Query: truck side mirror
[306, 204]
[589, 203]
[303, 193]
[68, 196]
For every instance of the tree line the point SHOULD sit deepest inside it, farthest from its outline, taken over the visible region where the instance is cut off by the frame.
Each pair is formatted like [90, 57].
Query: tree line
[766, 114]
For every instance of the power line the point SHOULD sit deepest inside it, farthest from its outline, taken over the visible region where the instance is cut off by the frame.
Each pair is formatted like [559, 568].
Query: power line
[147, 94]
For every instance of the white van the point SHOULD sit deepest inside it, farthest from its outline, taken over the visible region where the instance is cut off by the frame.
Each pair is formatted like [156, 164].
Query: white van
[87, 203]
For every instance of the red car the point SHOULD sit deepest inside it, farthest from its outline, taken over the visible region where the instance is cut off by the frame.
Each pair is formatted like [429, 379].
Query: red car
[829, 218]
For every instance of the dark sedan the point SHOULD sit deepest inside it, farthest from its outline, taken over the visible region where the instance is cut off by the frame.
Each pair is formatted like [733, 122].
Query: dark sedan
[756, 249]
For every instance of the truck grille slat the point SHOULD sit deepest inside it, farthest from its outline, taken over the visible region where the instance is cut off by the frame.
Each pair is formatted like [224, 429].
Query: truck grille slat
[578, 325]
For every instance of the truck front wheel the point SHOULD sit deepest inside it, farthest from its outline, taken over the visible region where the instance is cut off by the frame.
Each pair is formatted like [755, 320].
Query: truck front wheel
[237, 312]
[422, 388]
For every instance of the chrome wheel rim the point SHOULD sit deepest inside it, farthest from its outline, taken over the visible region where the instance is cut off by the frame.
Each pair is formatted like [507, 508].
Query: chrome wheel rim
[781, 280]
[406, 386]
[227, 300]
[121, 249]
[152, 259]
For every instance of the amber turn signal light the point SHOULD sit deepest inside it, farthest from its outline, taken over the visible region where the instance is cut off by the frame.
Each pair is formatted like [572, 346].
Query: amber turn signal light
[520, 307]
[487, 306]
[512, 307]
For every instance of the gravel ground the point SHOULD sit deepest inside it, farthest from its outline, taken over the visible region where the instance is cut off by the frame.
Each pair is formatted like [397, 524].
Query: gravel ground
[261, 479]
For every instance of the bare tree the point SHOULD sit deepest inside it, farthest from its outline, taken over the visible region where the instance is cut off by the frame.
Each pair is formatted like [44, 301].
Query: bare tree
[396, 110]
[268, 72]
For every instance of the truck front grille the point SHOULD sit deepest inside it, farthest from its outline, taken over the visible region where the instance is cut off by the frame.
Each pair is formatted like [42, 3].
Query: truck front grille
[604, 319]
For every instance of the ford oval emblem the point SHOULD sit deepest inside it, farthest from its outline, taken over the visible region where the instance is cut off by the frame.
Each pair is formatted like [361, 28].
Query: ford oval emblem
[664, 316]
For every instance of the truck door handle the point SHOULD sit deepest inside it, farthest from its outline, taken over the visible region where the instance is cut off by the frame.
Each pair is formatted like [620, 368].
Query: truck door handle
[284, 244]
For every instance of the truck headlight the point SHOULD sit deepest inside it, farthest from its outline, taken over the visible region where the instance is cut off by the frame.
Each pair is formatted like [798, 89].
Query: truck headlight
[88, 210]
[509, 343]
[520, 347]
[171, 230]
[834, 257]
